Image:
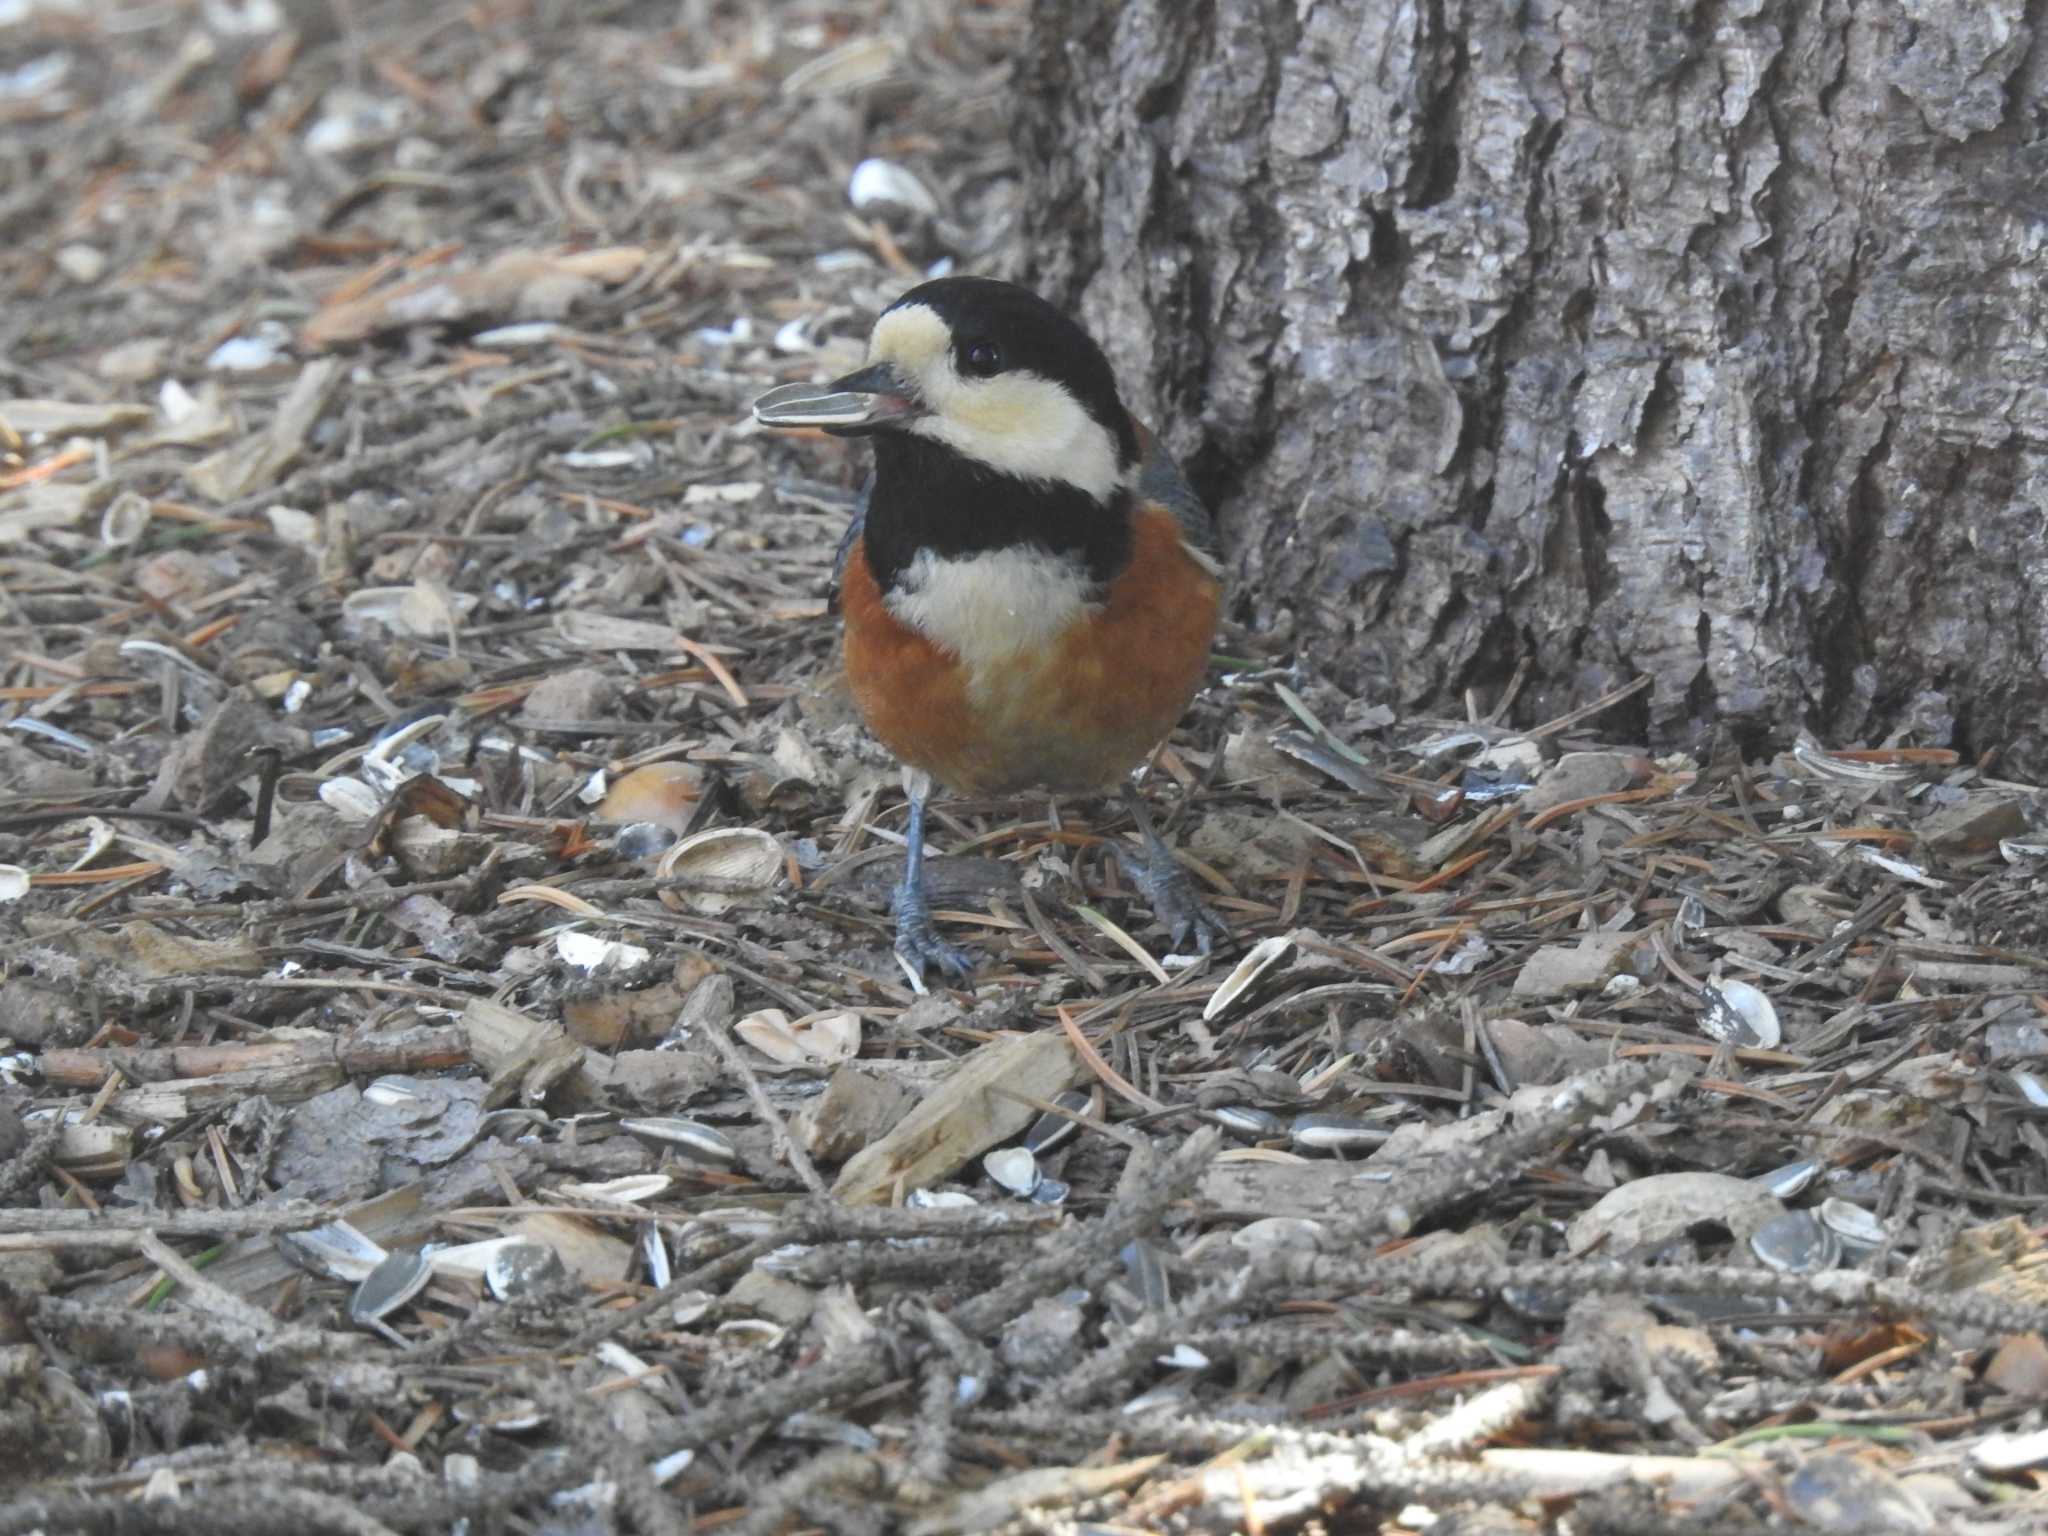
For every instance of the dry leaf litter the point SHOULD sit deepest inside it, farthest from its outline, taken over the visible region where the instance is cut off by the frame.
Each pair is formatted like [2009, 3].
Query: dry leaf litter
[453, 1075]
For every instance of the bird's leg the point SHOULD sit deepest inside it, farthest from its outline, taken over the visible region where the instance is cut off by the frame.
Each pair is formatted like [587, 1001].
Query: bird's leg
[917, 942]
[1166, 885]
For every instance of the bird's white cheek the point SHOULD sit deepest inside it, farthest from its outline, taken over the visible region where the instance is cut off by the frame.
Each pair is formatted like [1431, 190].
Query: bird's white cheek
[1024, 426]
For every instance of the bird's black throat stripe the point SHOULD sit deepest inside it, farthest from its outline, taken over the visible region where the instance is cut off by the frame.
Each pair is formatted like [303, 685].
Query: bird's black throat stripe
[929, 496]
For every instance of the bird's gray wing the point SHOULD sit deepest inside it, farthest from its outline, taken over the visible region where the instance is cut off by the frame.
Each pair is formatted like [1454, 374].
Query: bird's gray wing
[1160, 480]
[852, 536]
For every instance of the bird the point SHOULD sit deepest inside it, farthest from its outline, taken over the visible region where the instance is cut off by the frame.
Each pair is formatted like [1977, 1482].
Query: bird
[1030, 588]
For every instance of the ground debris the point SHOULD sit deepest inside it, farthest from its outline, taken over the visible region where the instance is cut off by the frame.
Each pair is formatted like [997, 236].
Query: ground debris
[434, 830]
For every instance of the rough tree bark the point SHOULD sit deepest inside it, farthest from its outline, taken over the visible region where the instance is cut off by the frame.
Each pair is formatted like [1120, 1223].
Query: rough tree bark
[1703, 339]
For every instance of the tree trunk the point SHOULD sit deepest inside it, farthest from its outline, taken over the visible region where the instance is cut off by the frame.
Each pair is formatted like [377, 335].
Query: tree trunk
[1703, 340]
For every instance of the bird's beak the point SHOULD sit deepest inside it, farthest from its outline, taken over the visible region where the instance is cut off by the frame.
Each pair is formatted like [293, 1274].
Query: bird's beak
[870, 400]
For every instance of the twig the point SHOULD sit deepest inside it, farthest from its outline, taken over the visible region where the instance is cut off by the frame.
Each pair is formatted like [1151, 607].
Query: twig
[786, 1148]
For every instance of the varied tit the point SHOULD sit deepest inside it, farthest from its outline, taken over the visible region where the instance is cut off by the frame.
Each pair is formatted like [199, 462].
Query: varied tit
[1031, 589]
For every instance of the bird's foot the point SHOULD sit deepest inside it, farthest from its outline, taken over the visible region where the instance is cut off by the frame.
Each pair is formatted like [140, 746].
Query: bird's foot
[1179, 910]
[918, 944]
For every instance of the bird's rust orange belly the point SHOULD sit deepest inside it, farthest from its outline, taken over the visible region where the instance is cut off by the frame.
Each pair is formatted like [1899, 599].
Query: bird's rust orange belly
[1072, 717]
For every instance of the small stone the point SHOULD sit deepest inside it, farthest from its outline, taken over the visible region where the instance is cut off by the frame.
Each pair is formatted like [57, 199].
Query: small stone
[582, 693]
[1580, 776]
[83, 264]
[1974, 826]
[858, 1106]
[132, 362]
[178, 576]
[1585, 966]
[2020, 1366]
[1045, 1341]
[1650, 1212]
[771, 1296]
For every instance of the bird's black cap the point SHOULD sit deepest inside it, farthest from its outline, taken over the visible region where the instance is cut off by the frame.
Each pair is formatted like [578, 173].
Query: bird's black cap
[1032, 335]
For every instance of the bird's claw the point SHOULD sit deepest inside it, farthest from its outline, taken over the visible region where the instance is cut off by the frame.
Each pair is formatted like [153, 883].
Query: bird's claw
[1175, 904]
[918, 944]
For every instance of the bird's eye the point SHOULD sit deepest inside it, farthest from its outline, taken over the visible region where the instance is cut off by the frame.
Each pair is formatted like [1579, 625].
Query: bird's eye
[983, 359]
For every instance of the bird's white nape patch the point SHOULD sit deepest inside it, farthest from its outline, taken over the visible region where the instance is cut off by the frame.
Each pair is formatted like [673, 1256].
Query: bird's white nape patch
[1018, 422]
[988, 609]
